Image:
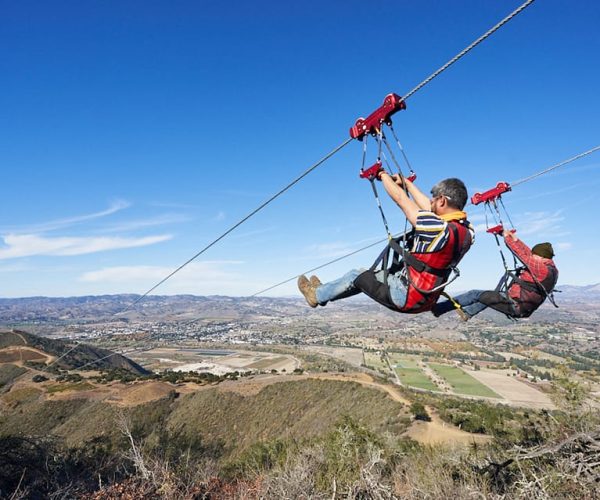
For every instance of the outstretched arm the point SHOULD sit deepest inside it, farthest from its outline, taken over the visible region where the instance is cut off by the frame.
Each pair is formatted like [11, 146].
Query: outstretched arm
[518, 248]
[422, 201]
[396, 193]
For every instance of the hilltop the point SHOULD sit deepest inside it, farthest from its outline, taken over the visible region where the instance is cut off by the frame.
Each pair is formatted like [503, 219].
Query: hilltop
[20, 346]
[294, 402]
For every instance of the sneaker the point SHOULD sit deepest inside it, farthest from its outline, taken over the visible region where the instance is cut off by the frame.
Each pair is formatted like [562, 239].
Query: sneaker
[314, 281]
[464, 316]
[308, 290]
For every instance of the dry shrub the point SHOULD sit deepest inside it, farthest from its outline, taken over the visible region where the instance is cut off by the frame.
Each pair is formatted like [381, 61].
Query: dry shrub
[297, 478]
[438, 472]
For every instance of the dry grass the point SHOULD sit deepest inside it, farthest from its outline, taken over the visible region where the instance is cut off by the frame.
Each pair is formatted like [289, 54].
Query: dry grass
[21, 395]
[69, 386]
[20, 354]
[438, 432]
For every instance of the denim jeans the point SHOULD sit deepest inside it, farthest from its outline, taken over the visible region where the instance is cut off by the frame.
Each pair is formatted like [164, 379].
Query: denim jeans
[344, 287]
[469, 302]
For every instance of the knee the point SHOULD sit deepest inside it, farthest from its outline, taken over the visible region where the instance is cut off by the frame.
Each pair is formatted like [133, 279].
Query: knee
[355, 273]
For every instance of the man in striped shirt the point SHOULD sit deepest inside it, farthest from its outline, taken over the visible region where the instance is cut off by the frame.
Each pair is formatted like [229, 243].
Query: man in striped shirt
[430, 217]
[523, 295]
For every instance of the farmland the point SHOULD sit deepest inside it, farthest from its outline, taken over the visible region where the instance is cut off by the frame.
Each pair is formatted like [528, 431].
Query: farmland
[411, 374]
[461, 382]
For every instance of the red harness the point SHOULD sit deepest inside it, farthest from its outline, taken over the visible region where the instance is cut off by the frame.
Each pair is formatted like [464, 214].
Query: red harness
[427, 272]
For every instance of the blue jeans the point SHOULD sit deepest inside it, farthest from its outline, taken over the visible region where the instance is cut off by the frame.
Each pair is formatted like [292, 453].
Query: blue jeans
[344, 287]
[469, 302]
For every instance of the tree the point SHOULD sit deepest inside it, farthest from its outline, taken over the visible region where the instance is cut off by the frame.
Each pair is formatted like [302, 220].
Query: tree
[420, 412]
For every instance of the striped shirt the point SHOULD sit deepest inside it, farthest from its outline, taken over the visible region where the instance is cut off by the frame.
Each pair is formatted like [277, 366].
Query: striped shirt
[432, 232]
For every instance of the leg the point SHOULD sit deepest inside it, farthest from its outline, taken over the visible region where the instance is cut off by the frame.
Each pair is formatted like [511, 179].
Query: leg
[338, 289]
[391, 294]
[499, 302]
[397, 289]
[469, 302]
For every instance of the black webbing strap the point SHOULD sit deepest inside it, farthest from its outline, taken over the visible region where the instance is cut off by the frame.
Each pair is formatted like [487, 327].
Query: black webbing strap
[528, 285]
[401, 257]
[421, 266]
[535, 286]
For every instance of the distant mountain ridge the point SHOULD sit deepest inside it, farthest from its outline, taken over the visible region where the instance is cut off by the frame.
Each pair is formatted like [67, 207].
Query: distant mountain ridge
[153, 308]
[114, 308]
[585, 289]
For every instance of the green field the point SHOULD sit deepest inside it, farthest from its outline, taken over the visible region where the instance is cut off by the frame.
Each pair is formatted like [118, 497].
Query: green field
[410, 374]
[461, 382]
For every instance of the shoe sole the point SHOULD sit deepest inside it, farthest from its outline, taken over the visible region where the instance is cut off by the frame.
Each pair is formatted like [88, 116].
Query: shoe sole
[305, 288]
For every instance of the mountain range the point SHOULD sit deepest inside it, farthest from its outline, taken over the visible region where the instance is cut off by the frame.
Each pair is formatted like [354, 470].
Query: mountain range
[187, 307]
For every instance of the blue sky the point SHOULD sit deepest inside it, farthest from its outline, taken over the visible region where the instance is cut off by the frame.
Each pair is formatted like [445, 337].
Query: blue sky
[134, 133]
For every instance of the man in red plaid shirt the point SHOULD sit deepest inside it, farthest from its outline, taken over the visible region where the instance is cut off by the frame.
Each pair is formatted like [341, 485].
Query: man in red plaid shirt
[526, 292]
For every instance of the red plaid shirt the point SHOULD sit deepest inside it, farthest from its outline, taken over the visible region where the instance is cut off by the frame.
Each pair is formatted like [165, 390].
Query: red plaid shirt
[536, 264]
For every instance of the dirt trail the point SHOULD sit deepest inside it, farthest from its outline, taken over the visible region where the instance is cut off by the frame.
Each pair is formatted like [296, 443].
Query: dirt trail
[21, 337]
[250, 387]
[367, 380]
[439, 432]
[435, 432]
[17, 350]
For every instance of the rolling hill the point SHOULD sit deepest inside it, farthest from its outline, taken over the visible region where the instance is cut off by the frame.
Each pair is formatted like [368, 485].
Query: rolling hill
[69, 355]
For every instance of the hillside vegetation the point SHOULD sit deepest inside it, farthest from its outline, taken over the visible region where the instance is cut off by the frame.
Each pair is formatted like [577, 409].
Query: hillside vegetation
[309, 438]
[227, 421]
[8, 373]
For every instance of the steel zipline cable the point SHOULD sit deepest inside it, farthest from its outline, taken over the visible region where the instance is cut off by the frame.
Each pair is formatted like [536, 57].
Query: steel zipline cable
[554, 167]
[354, 252]
[443, 68]
[240, 222]
[464, 52]
[409, 94]
[378, 242]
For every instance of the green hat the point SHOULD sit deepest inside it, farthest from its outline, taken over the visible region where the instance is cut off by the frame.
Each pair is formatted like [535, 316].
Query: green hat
[543, 250]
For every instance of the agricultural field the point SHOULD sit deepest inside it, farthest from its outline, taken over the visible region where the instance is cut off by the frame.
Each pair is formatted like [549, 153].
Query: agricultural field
[349, 355]
[461, 382]
[512, 389]
[507, 355]
[535, 354]
[373, 360]
[410, 373]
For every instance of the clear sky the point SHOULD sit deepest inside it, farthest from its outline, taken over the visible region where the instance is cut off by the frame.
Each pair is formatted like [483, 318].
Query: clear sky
[136, 132]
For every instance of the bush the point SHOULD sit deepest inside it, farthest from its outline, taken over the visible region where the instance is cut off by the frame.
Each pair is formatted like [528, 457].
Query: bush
[419, 411]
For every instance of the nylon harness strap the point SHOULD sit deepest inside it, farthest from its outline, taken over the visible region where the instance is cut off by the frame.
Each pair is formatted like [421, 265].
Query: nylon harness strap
[535, 287]
[409, 260]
